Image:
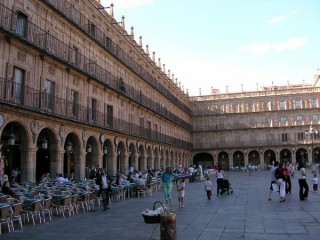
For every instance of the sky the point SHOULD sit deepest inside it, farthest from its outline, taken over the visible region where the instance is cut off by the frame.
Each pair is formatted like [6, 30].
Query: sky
[230, 45]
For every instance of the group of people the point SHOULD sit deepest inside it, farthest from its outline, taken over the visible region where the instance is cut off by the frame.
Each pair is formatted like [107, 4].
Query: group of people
[169, 177]
[281, 175]
[10, 186]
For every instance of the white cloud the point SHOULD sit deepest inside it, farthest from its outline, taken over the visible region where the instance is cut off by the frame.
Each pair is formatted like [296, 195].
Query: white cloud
[282, 18]
[290, 44]
[256, 48]
[260, 48]
[121, 4]
[277, 19]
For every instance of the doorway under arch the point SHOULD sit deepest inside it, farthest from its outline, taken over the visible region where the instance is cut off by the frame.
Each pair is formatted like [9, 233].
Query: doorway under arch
[205, 159]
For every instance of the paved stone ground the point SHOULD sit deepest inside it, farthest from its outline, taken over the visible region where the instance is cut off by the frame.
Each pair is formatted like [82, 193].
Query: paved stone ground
[245, 214]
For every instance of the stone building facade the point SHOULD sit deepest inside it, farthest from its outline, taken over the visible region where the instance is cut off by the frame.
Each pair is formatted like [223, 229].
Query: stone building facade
[77, 90]
[278, 123]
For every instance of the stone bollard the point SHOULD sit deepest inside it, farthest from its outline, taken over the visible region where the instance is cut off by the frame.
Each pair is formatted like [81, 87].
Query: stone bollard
[168, 226]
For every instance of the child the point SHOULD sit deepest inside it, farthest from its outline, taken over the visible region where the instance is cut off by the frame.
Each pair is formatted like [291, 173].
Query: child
[315, 183]
[180, 188]
[208, 187]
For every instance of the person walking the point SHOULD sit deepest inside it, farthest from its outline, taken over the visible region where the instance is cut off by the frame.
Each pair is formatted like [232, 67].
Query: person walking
[200, 170]
[220, 177]
[303, 185]
[208, 188]
[273, 186]
[315, 183]
[250, 168]
[167, 178]
[280, 176]
[104, 182]
[181, 185]
[288, 172]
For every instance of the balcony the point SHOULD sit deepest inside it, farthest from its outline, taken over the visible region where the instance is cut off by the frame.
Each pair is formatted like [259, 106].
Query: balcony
[34, 100]
[66, 9]
[50, 45]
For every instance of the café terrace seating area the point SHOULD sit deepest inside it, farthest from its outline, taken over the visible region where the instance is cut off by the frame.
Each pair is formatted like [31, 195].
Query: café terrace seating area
[39, 203]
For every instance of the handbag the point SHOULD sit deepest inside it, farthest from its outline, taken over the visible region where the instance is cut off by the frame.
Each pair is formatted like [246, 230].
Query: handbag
[275, 187]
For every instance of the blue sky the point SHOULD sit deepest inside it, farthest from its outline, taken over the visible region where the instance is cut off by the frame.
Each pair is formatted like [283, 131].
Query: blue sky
[234, 43]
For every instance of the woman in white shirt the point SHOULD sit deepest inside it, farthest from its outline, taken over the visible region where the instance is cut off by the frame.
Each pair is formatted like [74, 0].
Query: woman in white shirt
[220, 177]
[304, 188]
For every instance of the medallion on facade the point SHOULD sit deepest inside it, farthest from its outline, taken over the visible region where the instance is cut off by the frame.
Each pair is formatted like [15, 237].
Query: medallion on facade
[34, 127]
[52, 70]
[21, 56]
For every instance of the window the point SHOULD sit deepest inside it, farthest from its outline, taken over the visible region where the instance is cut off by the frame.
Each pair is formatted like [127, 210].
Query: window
[299, 118]
[269, 120]
[148, 130]
[142, 122]
[270, 138]
[284, 137]
[21, 27]
[300, 136]
[93, 109]
[49, 94]
[107, 42]
[74, 55]
[109, 119]
[75, 15]
[314, 102]
[156, 128]
[298, 103]
[283, 119]
[51, 44]
[269, 106]
[91, 67]
[17, 85]
[74, 103]
[92, 29]
[315, 117]
[282, 104]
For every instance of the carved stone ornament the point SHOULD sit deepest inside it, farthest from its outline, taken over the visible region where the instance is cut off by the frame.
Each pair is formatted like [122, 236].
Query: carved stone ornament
[75, 81]
[1, 120]
[52, 70]
[84, 135]
[34, 127]
[62, 131]
[116, 140]
[102, 138]
[21, 56]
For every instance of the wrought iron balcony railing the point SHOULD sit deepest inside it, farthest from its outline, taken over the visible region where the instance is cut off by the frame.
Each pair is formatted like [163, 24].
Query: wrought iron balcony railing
[72, 14]
[50, 45]
[34, 100]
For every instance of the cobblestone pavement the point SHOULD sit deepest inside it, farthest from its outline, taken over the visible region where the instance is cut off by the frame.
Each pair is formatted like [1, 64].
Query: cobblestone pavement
[245, 214]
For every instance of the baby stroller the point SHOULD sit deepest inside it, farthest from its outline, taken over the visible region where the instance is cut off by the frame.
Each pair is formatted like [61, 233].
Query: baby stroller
[226, 187]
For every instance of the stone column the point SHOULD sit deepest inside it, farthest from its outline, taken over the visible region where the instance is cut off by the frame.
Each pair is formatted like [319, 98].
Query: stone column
[97, 158]
[143, 162]
[157, 162]
[134, 160]
[245, 160]
[162, 161]
[80, 165]
[112, 163]
[124, 162]
[277, 155]
[151, 161]
[56, 161]
[28, 163]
